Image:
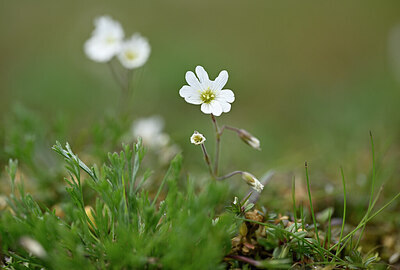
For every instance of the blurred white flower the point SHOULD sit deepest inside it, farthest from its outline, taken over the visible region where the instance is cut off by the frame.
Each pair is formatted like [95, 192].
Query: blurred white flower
[134, 52]
[235, 200]
[197, 138]
[215, 221]
[201, 90]
[150, 129]
[252, 181]
[8, 260]
[329, 188]
[105, 41]
[167, 153]
[33, 246]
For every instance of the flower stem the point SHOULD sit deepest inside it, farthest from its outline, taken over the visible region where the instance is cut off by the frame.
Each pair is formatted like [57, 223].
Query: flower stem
[207, 159]
[245, 259]
[237, 130]
[229, 175]
[129, 75]
[217, 144]
[115, 76]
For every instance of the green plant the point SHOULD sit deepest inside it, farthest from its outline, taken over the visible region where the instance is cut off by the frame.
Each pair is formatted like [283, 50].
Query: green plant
[125, 228]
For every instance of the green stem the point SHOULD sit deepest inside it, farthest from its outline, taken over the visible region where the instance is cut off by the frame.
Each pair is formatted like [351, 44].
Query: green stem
[229, 175]
[115, 76]
[329, 232]
[294, 202]
[162, 185]
[365, 219]
[207, 159]
[217, 144]
[311, 204]
[126, 202]
[372, 187]
[344, 208]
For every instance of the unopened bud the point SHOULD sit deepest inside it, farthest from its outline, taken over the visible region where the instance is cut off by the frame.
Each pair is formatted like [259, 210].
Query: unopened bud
[215, 221]
[88, 210]
[252, 181]
[235, 201]
[249, 139]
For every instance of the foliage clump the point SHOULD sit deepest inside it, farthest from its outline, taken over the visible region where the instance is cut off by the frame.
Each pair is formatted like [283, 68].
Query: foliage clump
[125, 228]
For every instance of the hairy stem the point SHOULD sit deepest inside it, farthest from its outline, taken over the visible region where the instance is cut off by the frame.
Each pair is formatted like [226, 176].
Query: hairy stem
[230, 128]
[207, 159]
[217, 144]
[229, 175]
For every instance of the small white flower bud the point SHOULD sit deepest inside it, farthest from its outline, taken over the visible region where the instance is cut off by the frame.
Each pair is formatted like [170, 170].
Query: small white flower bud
[33, 246]
[197, 138]
[235, 201]
[252, 181]
[249, 139]
[215, 221]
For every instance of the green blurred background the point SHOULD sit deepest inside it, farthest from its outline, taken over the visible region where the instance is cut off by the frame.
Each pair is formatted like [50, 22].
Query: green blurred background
[311, 78]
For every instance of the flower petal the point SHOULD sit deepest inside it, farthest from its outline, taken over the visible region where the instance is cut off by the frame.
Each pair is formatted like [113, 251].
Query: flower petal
[192, 80]
[216, 108]
[190, 95]
[202, 75]
[221, 80]
[186, 91]
[98, 50]
[226, 107]
[227, 95]
[194, 100]
[206, 108]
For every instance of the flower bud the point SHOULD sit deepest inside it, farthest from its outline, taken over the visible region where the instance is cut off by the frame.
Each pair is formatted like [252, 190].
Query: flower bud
[88, 210]
[197, 138]
[235, 201]
[252, 181]
[215, 221]
[249, 139]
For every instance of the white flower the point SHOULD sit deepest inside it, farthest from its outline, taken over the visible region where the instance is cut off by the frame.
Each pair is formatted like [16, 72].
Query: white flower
[201, 90]
[33, 246]
[150, 129]
[252, 181]
[105, 41]
[134, 52]
[197, 138]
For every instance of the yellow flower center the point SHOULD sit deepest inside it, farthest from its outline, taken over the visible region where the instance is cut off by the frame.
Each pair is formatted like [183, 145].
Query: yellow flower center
[130, 55]
[207, 96]
[197, 138]
[110, 40]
